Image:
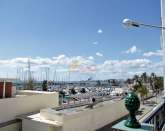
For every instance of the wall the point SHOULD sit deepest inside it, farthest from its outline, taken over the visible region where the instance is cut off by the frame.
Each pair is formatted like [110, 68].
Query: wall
[86, 120]
[93, 119]
[12, 107]
[29, 125]
[12, 127]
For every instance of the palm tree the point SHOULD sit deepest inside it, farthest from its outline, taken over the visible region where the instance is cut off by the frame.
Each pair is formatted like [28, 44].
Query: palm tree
[45, 85]
[158, 85]
[128, 81]
[144, 77]
[152, 81]
[143, 91]
[153, 75]
[136, 78]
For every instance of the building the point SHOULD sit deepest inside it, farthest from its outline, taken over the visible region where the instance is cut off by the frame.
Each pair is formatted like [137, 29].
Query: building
[23, 102]
[74, 119]
[6, 88]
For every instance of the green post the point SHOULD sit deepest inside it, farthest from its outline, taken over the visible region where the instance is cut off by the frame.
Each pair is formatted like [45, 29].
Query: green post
[132, 104]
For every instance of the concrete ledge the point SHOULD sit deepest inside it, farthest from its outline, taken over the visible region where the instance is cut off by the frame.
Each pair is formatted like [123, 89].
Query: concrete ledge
[12, 107]
[32, 92]
[4, 124]
[13, 125]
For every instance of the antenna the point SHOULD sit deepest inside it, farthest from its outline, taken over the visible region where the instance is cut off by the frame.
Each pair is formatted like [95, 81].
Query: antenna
[29, 69]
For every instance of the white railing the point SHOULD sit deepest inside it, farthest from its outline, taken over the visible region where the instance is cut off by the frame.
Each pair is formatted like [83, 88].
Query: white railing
[156, 117]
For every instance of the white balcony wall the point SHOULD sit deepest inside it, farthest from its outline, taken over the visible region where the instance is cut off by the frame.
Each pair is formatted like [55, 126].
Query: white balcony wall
[86, 120]
[26, 102]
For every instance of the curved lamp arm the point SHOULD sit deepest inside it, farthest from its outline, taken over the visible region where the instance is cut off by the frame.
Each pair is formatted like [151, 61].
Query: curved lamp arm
[130, 23]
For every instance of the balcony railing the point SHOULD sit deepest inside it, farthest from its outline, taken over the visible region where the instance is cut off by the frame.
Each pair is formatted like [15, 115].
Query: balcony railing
[156, 117]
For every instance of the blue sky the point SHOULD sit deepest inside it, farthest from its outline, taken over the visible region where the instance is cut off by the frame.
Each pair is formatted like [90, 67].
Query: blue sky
[47, 29]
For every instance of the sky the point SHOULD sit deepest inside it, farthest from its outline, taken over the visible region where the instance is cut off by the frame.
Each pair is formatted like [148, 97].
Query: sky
[83, 37]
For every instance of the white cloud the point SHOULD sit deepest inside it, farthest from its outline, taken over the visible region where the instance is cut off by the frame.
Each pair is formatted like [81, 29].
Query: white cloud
[100, 31]
[99, 54]
[81, 66]
[126, 64]
[128, 68]
[95, 43]
[38, 61]
[152, 53]
[132, 50]
[91, 58]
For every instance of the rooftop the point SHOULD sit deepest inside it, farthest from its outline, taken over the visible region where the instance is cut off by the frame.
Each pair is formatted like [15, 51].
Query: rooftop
[106, 112]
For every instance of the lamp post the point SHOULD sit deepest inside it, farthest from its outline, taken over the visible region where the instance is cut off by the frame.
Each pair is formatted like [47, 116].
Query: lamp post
[128, 23]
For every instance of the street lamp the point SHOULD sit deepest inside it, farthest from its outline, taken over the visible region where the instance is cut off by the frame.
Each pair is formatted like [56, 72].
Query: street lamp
[130, 23]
